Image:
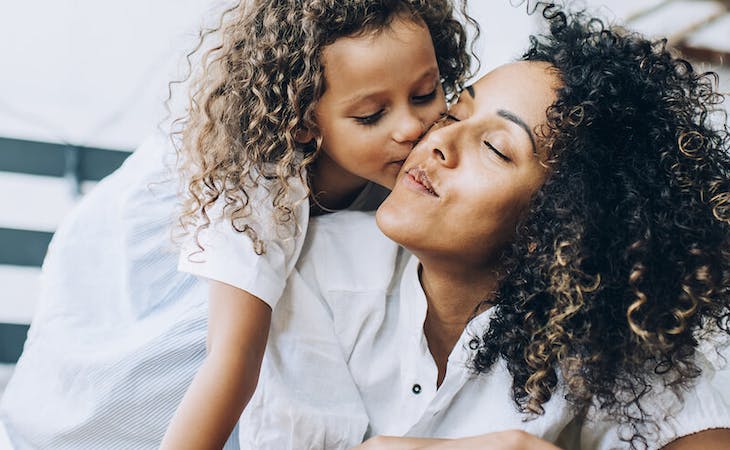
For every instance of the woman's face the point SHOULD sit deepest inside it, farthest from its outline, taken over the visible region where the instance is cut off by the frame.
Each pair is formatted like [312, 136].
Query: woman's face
[466, 184]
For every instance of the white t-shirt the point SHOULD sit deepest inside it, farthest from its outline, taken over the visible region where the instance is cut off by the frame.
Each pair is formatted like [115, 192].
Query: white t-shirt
[119, 332]
[228, 255]
[347, 359]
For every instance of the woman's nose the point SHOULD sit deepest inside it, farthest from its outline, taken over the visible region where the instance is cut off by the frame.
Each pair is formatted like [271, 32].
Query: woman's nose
[442, 144]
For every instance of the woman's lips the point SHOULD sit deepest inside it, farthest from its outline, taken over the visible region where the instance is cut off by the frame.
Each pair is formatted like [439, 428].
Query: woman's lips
[417, 179]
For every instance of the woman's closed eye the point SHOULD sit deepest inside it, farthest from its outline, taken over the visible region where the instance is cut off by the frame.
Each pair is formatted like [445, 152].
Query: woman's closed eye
[497, 152]
[501, 155]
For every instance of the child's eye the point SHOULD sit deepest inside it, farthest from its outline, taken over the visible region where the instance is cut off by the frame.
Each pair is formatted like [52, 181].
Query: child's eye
[425, 98]
[369, 119]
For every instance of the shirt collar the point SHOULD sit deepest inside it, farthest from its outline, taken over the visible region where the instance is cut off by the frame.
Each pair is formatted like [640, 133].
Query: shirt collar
[413, 308]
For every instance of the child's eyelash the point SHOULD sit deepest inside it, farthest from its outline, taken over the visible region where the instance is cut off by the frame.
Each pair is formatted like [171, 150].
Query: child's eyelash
[369, 120]
[424, 98]
[373, 118]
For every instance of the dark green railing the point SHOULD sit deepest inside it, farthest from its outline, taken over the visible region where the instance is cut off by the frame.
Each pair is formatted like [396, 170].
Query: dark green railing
[28, 247]
[58, 160]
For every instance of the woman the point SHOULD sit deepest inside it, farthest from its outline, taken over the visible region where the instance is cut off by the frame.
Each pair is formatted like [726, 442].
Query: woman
[569, 279]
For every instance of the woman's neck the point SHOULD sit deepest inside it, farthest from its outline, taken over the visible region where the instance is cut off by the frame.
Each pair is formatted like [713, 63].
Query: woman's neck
[453, 292]
[333, 188]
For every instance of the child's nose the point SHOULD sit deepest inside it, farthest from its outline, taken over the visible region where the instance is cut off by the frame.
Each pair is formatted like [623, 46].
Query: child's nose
[409, 129]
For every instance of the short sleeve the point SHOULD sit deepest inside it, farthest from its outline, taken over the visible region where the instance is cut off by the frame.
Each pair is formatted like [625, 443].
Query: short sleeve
[229, 256]
[705, 405]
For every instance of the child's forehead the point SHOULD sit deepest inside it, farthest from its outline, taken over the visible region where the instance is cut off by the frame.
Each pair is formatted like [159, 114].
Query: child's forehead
[403, 52]
[370, 29]
[399, 32]
[368, 21]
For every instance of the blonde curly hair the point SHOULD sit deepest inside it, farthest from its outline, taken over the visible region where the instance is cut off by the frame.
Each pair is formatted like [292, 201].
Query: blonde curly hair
[259, 86]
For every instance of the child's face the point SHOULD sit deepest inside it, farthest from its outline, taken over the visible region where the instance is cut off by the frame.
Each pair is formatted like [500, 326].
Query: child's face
[383, 92]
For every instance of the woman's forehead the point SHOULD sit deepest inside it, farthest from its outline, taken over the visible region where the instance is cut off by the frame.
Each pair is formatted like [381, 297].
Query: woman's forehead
[519, 93]
[525, 89]
[516, 80]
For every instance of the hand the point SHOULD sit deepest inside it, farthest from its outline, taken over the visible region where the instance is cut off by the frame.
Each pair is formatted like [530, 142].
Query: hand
[501, 440]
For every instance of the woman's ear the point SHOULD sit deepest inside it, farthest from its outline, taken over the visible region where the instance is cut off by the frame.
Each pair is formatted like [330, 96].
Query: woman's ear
[303, 135]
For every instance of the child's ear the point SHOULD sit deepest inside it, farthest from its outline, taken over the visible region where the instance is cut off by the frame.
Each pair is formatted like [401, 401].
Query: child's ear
[303, 135]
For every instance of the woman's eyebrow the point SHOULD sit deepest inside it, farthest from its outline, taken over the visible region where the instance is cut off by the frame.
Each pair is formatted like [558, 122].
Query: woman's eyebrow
[514, 118]
[470, 90]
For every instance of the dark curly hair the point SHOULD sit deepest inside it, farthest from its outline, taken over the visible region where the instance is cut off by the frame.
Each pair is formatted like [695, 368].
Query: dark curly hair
[621, 265]
[260, 83]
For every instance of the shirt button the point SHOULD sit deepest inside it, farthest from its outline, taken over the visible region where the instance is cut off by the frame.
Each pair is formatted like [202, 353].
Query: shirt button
[416, 389]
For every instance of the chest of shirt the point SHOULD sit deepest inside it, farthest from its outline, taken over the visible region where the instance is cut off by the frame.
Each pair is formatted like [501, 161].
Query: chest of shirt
[390, 363]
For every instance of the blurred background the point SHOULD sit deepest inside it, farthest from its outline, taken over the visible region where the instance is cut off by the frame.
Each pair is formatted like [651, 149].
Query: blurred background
[83, 82]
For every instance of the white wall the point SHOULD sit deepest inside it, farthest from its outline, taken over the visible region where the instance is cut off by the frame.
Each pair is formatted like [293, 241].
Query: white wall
[91, 72]
[504, 31]
[95, 72]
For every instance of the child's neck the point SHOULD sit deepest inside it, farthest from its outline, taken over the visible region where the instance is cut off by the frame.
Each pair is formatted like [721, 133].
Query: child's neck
[333, 188]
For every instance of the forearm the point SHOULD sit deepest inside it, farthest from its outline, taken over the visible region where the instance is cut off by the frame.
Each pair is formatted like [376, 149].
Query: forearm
[501, 440]
[238, 327]
[714, 439]
[213, 403]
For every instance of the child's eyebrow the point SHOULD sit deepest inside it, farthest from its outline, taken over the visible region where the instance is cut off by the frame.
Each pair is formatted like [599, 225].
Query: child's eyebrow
[373, 95]
[470, 90]
[359, 98]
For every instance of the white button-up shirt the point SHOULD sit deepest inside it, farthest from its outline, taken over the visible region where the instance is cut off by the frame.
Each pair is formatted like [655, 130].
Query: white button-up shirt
[348, 359]
[119, 332]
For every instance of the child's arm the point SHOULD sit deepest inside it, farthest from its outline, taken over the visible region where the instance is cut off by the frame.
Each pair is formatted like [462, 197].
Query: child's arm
[238, 326]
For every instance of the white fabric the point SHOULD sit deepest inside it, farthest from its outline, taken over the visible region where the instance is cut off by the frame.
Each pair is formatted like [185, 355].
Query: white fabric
[229, 256]
[356, 296]
[119, 332]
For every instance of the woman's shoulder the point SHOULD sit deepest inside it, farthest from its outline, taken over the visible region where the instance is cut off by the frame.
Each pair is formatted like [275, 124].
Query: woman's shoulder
[704, 403]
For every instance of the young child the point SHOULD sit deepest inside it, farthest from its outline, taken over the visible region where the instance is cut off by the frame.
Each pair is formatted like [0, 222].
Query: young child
[340, 89]
[298, 100]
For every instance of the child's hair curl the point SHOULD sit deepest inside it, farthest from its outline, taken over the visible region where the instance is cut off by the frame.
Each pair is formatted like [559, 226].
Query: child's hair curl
[259, 86]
